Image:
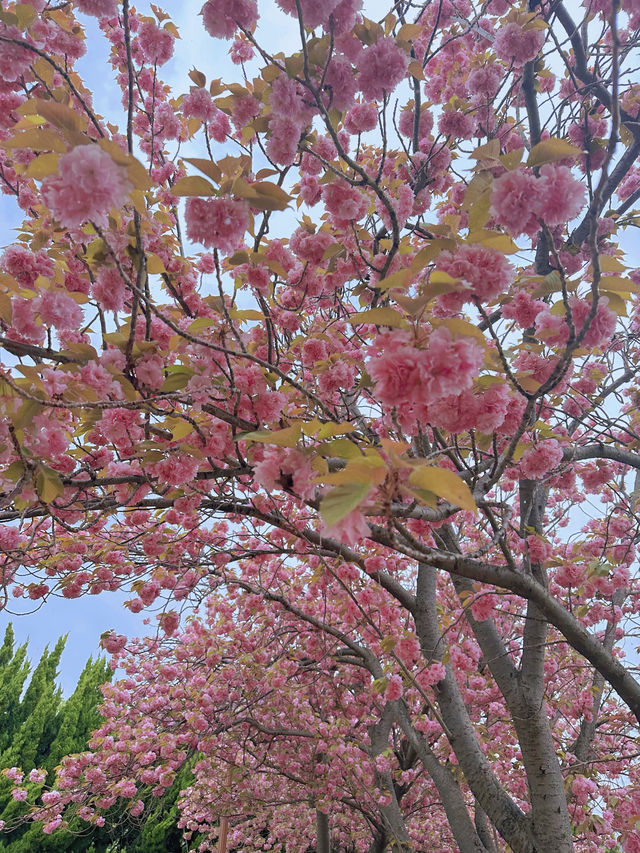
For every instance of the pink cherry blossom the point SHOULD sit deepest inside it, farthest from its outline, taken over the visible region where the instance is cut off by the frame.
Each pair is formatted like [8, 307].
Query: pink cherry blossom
[361, 117]
[222, 17]
[98, 8]
[540, 459]
[217, 223]
[382, 66]
[393, 690]
[156, 43]
[351, 529]
[515, 200]
[340, 84]
[314, 12]
[517, 45]
[560, 196]
[59, 310]
[14, 59]
[87, 186]
[199, 103]
[109, 289]
[487, 271]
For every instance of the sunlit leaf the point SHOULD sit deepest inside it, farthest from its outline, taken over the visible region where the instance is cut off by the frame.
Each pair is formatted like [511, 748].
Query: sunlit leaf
[48, 484]
[379, 317]
[459, 327]
[400, 279]
[342, 500]
[445, 484]
[43, 166]
[207, 167]
[287, 437]
[193, 185]
[38, 140]
[550, 150]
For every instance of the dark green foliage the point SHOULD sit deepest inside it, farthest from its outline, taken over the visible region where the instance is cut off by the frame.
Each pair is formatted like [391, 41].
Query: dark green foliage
[37, 729]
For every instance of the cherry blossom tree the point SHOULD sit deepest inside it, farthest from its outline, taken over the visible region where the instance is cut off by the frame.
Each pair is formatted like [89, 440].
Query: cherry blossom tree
[359, 384]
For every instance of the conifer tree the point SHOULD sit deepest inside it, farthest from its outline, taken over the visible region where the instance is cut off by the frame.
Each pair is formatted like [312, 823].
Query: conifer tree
[40, 728]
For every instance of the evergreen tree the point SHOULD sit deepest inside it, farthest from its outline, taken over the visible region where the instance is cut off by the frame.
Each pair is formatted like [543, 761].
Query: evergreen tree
[37, 729]
[13, 673]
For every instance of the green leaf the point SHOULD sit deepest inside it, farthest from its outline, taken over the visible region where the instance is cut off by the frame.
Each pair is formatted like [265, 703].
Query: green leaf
[14, 471]
[445, 484]
[379, 317]
[270, 196]
[400, 279]
[26, 413]
[430, 252]
[550, 150]
[287, 437]
[193, 185]
[48, 484]
[326, 429]
[177, 379]
[494, 240]
[341, 447]
[342, 500]
[459, 327]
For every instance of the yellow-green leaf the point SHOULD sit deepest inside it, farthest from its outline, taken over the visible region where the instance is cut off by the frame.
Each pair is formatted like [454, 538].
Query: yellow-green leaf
[342, 500]
[48, 484]
[425, 497]
[326, 429]
[177, 380]
[618, 284]
[340, 447]
[287, 437]
[379, 317]
[489, 151]
[26, 15]
[26, 413]
[445, 484]
[155, 265]
[458, 326]
[430, 252]
[370, 468]
[36, 139]
[200, 324]
[193, 185]
[609, 263]
[14, 471]
[550, 150]
[494, 240]
[270, 196]
[400, 279]
[42, 166]
[207, 167]
[479, 211]
[180, 428]
[512, 159]
[60, 115]
[245, 314]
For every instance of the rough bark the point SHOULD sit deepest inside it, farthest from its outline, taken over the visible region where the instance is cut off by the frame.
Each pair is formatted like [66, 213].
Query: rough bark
[506, 816]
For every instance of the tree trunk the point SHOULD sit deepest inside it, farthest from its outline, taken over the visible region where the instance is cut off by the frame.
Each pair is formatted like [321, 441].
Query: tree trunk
[323, 835]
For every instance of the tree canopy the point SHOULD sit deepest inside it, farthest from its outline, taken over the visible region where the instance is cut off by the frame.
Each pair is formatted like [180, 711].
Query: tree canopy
[347, 398]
